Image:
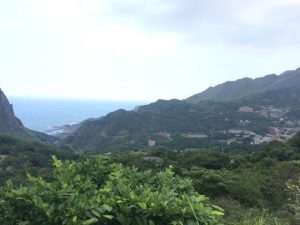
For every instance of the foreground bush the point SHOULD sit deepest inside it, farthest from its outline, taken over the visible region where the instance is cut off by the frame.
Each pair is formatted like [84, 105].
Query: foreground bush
[96, 192]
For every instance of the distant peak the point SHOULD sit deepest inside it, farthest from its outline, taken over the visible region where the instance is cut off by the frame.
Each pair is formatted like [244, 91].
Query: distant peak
[247, 87]
[8, 119]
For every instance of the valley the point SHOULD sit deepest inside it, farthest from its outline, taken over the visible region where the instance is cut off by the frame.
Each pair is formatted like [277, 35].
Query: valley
[225, 161]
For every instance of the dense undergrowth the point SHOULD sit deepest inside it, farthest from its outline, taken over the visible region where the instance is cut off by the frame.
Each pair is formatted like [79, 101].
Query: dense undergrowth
[95, 192]
[156, 186]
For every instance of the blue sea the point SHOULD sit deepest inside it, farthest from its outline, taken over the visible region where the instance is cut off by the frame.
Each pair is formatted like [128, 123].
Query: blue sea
[42, 114]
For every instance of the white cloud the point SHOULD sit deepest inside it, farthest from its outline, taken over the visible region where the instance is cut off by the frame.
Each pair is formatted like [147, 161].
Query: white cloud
[257, 12]
[68, 12]
[4, 23]
[156, 48]
[127, 41]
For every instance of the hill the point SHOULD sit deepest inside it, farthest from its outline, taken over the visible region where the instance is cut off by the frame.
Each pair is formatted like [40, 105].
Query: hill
[172, 124]
[248, 88]
[11, 125]
[243, 111]
[18, 157]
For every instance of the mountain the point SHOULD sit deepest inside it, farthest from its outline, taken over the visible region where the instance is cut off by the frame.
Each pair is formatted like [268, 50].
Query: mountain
[11, 125]
[248, 89]
[171, 123]
[218, 115]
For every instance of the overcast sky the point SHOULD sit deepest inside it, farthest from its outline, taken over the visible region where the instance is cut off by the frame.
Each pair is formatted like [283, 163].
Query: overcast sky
[142, 49]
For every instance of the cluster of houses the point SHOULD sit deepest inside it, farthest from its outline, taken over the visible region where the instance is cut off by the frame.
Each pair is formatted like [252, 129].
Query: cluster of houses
[275, 134]
[239, 135]
[266, 111]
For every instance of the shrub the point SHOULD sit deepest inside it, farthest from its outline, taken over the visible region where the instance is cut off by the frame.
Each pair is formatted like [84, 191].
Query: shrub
[96, 192]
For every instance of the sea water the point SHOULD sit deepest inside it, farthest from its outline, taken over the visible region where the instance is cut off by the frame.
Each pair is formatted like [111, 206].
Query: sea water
[43, 114]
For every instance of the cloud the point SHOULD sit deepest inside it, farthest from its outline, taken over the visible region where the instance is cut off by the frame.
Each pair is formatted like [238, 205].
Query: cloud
[67, 12]
[126, 41]
[4, 23]
[256, 23]
[109, 47]
[89, 22]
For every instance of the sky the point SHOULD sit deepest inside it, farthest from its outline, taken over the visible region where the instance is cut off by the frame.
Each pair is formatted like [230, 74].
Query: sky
[142, 49]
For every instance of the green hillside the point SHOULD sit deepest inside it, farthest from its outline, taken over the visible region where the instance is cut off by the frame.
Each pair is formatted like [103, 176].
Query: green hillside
[127, 130]
[248, 88]
[205, 124]
[18, 157]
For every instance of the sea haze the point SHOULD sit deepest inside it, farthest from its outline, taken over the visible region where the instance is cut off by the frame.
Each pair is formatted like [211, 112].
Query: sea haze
[42, 114]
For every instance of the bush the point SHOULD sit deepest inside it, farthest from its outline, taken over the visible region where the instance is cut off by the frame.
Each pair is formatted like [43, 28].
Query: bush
[94, 192]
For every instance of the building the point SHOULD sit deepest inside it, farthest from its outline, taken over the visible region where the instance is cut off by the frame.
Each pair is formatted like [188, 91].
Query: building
[235, 131]
[258, 139]
[151, 143]
[244, 122]
[263, 112]
[231, 141]
[191, 135]
[274, 132]
[2, 157]
[153, 158]
[246, 109]
[164, 134]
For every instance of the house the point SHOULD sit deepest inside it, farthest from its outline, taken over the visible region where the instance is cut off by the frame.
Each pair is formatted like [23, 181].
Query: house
[164, 134]
[153, 159]
[246, 109]
[151, 143]
[2, 157]
[244, 122]
[274, 132]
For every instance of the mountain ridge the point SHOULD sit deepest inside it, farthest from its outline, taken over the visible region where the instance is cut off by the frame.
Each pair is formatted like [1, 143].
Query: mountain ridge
[8, 120]
[247, 87]
[204, 123]
[11, 125]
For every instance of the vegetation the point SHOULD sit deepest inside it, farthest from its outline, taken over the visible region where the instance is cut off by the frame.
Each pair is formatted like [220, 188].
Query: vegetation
[183, 180]
[130, 130]
[258, 90]
[251, 187]
[11, 125]
[96, 192]
[210, 114]
[139, 187]
[20, 157]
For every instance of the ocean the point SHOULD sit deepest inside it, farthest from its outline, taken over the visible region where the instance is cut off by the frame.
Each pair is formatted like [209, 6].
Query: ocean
[42, 114]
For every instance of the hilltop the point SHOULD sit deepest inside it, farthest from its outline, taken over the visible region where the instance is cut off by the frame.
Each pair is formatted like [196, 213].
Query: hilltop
[172, 124]
[243, 111]
[252, 89]
[11, 125]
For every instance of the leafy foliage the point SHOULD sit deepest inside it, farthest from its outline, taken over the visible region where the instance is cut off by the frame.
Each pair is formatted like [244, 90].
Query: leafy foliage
[21, 157]
[96, 192]
[295, 205]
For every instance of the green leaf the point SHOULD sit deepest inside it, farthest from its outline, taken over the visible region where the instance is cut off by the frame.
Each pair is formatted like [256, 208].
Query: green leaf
[143, 205]
[90, 221]
[96, 213]
[74, 219]
[107, 208]
[110, 217]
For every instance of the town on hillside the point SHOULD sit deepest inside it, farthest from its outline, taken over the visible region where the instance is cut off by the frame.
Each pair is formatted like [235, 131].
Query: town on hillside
[282, 130]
